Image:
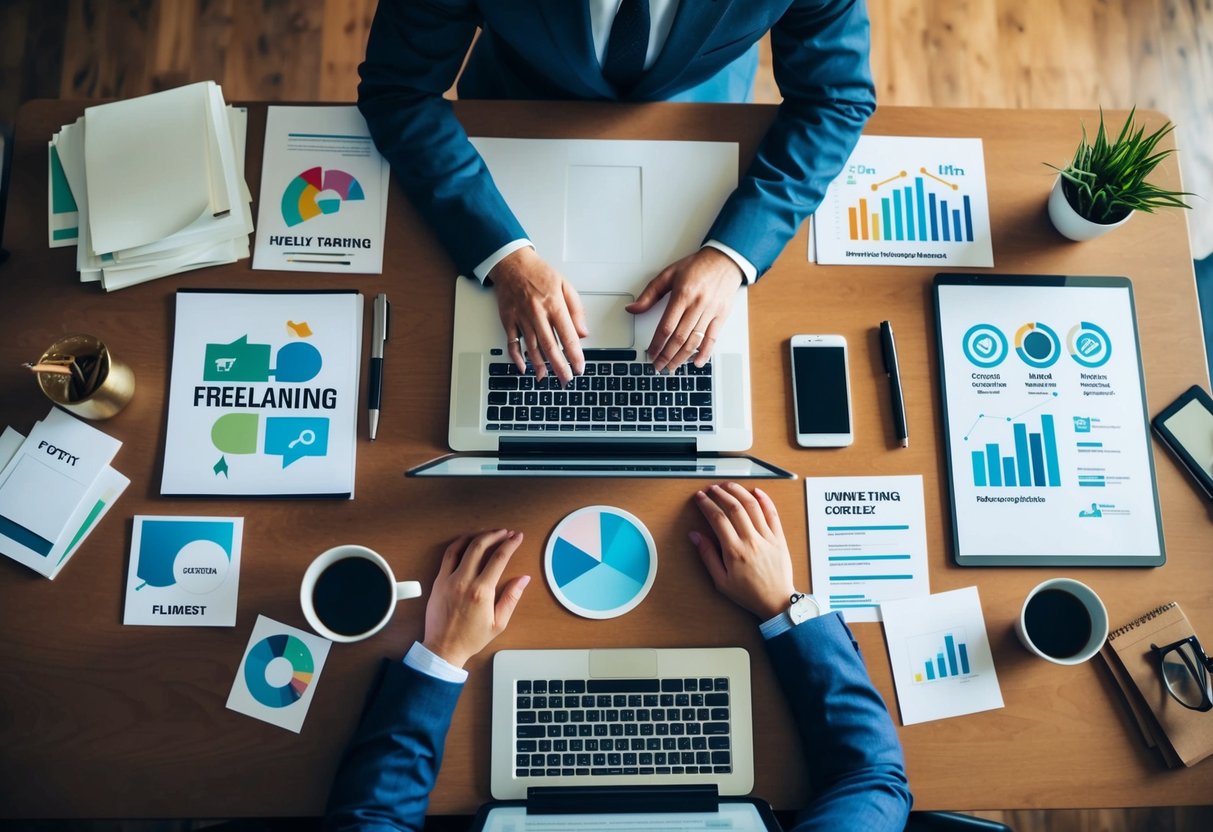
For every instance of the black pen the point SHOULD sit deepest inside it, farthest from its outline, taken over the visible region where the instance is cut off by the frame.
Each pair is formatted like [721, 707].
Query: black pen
[378, 336]
[888, 348]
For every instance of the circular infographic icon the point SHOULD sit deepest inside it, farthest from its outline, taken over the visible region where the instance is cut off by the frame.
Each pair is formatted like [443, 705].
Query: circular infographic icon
[1089, 345]
[1037, 345]
[600, 562]
[201, 566]
[985, 345]
[278, 670]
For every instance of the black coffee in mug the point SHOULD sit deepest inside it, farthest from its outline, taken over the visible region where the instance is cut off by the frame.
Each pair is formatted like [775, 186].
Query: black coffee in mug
[352, 595]
[1058, 623]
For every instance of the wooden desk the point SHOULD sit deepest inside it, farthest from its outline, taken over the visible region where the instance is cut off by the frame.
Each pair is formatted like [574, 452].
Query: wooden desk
[98, 720]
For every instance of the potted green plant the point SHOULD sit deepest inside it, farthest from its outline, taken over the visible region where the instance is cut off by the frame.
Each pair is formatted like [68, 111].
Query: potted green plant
[1105, 182]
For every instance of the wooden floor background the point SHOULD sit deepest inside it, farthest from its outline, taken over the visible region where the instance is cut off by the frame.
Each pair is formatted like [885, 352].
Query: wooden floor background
[1154, 54]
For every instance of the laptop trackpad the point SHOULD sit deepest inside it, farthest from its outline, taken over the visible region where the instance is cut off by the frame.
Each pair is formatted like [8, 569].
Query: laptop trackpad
[610, 664]
[611, 325]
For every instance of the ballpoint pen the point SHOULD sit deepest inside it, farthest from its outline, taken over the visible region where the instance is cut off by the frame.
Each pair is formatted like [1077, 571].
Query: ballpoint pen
[888, 348]
[379, 335]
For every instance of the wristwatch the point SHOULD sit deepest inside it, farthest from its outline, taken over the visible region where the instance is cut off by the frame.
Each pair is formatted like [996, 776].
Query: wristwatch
[803, 607]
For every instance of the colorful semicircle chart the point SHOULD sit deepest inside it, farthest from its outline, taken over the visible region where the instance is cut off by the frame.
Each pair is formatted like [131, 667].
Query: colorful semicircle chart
[600, 562]
[309, 194]
[261, 654]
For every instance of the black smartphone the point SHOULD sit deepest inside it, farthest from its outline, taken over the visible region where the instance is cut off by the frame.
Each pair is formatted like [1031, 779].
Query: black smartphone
[1186, 427]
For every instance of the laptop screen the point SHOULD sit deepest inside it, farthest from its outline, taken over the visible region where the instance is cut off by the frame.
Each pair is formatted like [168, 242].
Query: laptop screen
[729, 817]
[708, 467]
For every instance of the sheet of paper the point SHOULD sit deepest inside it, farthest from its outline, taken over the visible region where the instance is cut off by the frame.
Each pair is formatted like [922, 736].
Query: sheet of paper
[278, 674]
[62, 215]
[324, 186]
[867, 542]
[184, 571]
[14, 541]
[51, 472]
[907, 201]
[1046, 421]
[263, 397]
[940, 656]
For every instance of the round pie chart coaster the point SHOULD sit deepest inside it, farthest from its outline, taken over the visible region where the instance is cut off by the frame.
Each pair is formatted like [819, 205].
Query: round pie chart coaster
[600, 562]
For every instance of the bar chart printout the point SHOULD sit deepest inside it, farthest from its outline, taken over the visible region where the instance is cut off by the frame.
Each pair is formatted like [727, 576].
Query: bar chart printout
[940, 656]
[907, 201]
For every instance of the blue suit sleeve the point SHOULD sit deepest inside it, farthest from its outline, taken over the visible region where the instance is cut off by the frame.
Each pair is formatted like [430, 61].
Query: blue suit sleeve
[413, 55]
[387, 772]
[820, 51]
[855, 763]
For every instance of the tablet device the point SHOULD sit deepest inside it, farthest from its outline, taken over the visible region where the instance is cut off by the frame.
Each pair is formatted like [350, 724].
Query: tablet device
[1186, 428]
[1045, 423]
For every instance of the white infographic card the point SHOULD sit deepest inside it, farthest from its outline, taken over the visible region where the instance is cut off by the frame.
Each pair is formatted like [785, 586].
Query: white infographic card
[940, 656]
[278, 674]
[907, 201]
[324, 186]
[263, 398]
[1046, 423]
[867, 542]
[184, 571]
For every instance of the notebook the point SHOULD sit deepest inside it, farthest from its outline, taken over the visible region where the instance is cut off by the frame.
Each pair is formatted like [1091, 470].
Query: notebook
[1183, 736]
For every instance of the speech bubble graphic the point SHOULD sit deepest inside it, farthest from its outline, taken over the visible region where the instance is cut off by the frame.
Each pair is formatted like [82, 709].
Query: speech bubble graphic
[237, 361]
[235, 433]
[298, 361]
[163, 542]
[294, 437]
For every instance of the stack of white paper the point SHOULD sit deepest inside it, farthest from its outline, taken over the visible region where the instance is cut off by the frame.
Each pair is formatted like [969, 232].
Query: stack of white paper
[158, 183]
[55, 486]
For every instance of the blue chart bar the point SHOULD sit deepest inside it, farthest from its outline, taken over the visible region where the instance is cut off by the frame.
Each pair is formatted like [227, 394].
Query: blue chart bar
[909, 195]
[943, 219]
[1021, 454]
[968, 220]
[1038, 459]
[887, 212]
[899, 231]
[922, 215]
[1090, 444]
[1008, 471]
[951, 661]
[1091, 481]
[956, 224]
[1046, 424]
[934, 218]
[992, 465]
[979, 469]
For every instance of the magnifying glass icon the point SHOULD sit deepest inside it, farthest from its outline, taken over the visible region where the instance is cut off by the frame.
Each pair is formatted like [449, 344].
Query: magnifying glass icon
[306, 437]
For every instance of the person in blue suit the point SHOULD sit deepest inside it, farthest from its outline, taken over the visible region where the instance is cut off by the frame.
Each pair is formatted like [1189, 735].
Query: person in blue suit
[855, 764]
[615, 50]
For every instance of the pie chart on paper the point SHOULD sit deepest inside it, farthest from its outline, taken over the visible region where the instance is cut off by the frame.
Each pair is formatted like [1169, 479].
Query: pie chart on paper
[600, 562]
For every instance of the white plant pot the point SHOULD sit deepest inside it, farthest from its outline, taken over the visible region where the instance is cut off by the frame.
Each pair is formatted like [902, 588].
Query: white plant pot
[1069, 223]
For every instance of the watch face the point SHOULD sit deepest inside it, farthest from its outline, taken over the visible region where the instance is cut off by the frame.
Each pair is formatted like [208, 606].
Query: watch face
[803, 609]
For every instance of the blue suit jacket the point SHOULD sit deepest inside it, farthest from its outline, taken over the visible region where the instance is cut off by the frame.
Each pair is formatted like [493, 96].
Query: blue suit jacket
[542, 49]
[854, 759]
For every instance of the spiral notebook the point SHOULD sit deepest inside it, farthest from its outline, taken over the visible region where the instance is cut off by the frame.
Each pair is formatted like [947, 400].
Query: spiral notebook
[1183, 736]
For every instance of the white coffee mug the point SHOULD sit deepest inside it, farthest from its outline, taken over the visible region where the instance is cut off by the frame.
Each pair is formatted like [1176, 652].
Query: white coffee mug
[1087, 608]
[394, 591]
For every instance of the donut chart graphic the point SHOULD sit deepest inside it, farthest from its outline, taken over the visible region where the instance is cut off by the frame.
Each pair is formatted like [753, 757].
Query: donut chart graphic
[302, 200]
[600, 562]
[1037, 345]
[1089, 345]
[261, 654]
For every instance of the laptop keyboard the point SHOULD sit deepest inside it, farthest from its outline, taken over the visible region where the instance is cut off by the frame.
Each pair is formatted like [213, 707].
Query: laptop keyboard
[610, 397]
[607, 727]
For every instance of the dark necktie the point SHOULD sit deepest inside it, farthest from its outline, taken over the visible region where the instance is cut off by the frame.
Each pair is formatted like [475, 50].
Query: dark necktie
[627, 45]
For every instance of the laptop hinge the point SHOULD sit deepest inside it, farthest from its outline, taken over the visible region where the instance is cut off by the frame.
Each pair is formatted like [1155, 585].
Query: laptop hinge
[513, 448]
[565, 800]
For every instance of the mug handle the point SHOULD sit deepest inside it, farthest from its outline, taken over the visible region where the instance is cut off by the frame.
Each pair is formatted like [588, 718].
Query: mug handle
[408, 589]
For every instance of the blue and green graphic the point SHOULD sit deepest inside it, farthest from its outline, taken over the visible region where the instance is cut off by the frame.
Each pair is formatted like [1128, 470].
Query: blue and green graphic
[1037, 345]
[1089, 345]
[296, 362]
[985, 345]
[194, 553]
[259, 667]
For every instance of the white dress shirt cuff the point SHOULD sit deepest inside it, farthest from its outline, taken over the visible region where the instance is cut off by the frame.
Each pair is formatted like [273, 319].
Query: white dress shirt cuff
[424, 660]
[748, 272]
[486, 265]
[777, 625]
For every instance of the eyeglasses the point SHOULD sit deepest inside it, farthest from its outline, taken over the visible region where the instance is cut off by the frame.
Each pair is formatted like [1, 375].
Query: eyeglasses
[1185, 671]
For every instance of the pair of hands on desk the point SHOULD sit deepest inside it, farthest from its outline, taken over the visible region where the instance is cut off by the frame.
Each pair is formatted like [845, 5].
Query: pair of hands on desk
[746, 556]
[543, 310]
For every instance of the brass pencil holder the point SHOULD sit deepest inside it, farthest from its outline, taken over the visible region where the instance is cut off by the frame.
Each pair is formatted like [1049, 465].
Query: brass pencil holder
[110, 390]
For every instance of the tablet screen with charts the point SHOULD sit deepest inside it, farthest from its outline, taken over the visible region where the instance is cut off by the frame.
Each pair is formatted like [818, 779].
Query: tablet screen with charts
[1045, 423]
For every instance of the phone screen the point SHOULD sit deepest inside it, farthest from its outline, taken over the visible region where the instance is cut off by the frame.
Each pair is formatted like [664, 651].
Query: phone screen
[821, 390]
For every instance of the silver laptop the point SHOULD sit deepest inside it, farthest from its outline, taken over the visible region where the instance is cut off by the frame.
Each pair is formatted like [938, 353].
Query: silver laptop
[609, 215]
[585, 718]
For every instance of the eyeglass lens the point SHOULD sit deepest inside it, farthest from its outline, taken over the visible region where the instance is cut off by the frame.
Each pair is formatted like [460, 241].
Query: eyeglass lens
[1186, 676]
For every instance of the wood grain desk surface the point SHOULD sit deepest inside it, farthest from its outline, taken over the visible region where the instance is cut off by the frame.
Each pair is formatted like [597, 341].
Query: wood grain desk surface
[102, 720]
